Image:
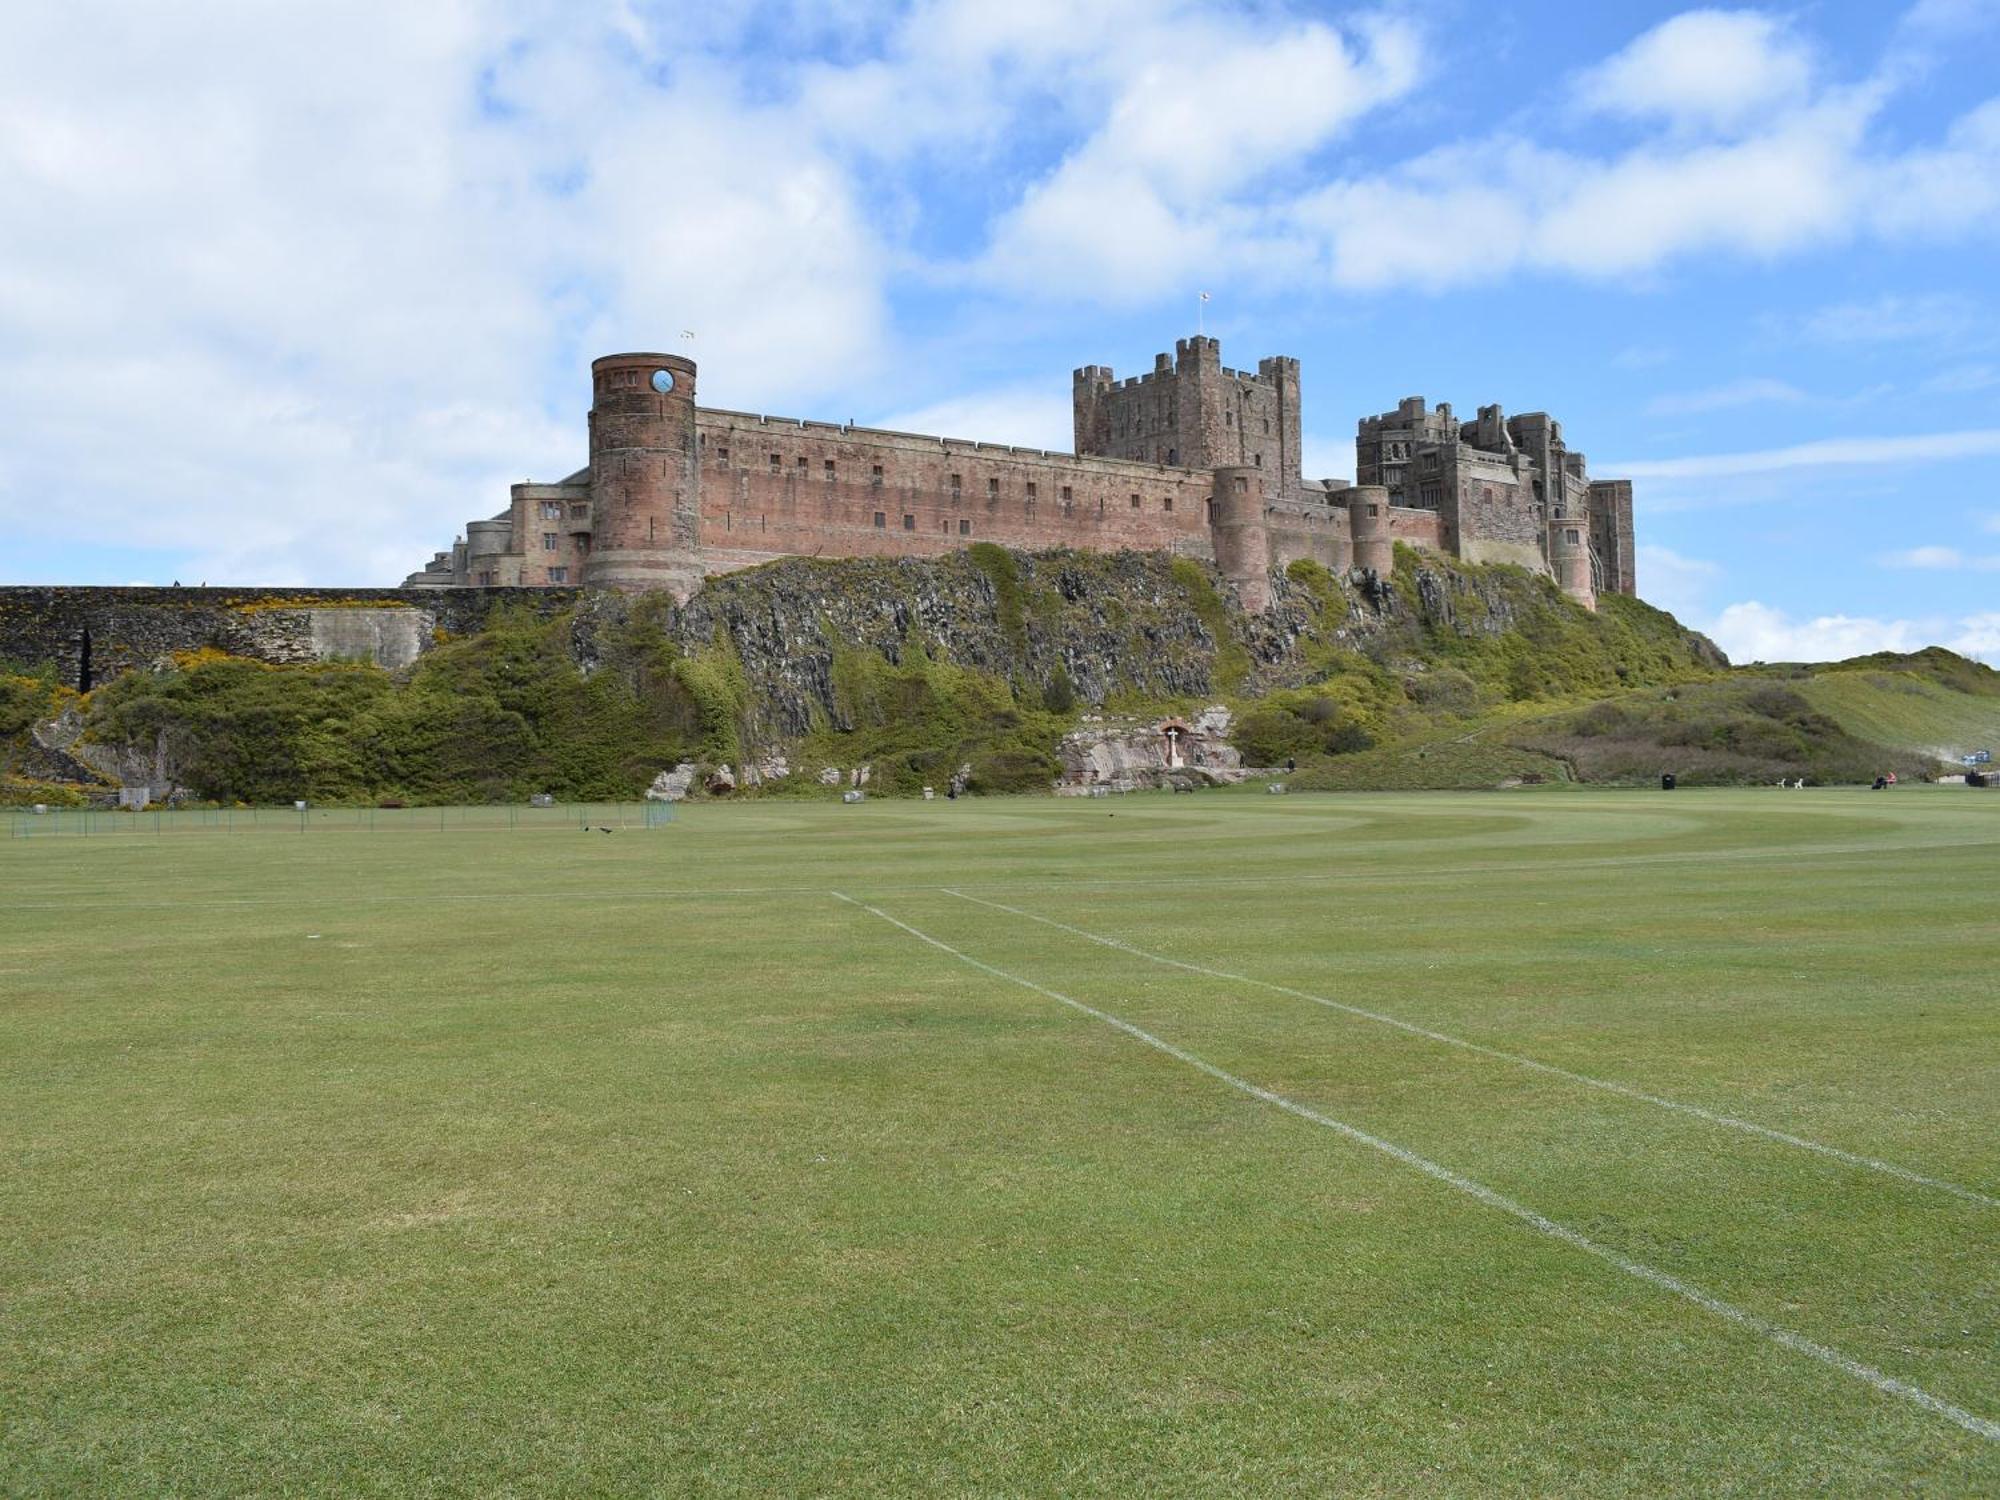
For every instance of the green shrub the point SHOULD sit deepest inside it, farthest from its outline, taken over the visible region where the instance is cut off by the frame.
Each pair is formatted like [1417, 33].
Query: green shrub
[1059, 696]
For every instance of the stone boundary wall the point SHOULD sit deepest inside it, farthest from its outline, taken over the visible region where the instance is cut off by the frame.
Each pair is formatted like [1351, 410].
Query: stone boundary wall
[91, 635]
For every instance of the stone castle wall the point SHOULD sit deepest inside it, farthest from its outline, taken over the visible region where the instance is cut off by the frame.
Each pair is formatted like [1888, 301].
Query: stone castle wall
[676, 493]
[91, 635]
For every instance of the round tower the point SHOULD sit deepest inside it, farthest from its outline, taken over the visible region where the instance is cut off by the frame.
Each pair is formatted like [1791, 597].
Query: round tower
[486, 544]
[1236, 530]
[644, 475]
[1569, 558]
[1368, 528]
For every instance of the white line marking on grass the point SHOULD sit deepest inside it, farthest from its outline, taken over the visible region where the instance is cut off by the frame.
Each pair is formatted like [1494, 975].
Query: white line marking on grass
[1783, 1337]
[1852, 1159]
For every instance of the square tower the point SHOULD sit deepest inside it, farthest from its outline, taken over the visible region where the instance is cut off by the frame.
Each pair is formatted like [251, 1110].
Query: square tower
[1193, 412]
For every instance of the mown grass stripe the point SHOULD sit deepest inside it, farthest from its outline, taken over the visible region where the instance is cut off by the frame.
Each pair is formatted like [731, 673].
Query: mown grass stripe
[1785, 1338]
[1713, 1117]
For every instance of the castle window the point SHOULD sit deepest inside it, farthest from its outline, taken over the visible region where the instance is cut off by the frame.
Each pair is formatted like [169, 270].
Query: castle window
[776, 462]
[558, 575]
[1242, 485]
[1208, 511]
[1570, 534]
[875, 477]
[1267, 427]
[804, 464]
[1229, 419]
[1135, 502]
[722, 453]
[1260, 460]
[909, 523]
[880, 520]
[993, 488]
[548, 541]
[552, 510]
[965, 528]
[957, 484]
[1032, 491]
[1374, 510]
[1069, 494]
[829, 471]
[1173, 455]
[1168, 503]
[579, 510]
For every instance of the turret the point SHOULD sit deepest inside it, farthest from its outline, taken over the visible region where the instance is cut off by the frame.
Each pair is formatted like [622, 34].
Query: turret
[1569, 558]
[644, 474]
[487, 544]
[1368, 526]
[1237, 531]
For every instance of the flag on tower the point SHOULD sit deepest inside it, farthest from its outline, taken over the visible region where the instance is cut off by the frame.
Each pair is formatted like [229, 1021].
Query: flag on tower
[1204, 296]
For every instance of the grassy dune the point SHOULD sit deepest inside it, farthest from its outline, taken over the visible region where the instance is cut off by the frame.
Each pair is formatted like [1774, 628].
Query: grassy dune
[1907, 711]
[534, 1162]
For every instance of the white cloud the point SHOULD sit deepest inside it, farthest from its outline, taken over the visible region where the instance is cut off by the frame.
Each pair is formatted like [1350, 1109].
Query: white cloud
[1827, 452]
[1485, 210]
[311, 266]
[1702, 68]
[1963, 380]
[1159, 193]
[1893, 318]
[1737, 393]
[1926, 557]
[1756, 632]
[1941, 559]
[1326, 458]
[1978, 635]
[1680, 585]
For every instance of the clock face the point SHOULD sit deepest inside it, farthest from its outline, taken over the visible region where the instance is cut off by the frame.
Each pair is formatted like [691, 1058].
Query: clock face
[663, 381]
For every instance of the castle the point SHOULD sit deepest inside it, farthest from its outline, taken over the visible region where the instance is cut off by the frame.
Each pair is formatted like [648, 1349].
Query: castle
[1192, 458]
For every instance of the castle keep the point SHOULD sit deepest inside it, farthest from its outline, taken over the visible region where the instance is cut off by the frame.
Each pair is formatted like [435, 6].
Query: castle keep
[1192, 458]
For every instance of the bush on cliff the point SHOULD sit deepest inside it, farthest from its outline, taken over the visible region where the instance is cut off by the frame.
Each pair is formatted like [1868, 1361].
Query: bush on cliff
[916, 721]
[498, 715]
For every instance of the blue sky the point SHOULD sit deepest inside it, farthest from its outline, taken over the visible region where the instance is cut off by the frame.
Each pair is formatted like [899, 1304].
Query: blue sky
[288, 292]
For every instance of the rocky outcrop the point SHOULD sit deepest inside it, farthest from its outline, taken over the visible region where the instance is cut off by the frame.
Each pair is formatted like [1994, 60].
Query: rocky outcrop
[1128, 755]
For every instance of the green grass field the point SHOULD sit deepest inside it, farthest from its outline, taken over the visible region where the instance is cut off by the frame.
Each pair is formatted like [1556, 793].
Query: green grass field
[540, 1161]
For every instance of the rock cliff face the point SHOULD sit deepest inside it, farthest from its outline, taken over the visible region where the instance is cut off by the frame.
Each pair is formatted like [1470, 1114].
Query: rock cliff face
[1137, 625]
[1107, 623]
[978, 660]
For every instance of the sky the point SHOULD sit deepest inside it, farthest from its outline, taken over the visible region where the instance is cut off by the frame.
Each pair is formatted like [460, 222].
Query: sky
[290, 291]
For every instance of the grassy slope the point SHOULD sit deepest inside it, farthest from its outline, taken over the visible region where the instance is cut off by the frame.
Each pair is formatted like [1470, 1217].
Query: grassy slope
[1907, 710]
[491, 1163]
